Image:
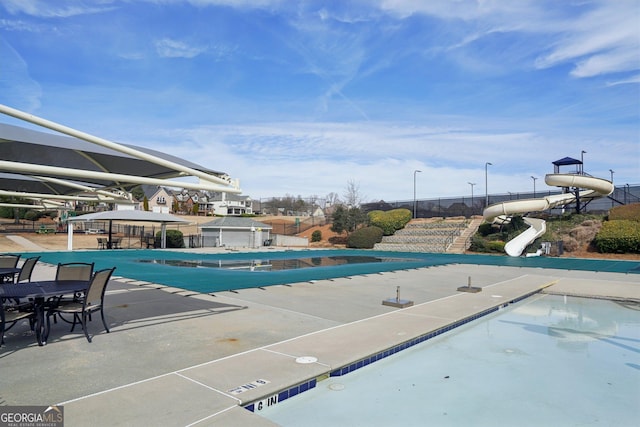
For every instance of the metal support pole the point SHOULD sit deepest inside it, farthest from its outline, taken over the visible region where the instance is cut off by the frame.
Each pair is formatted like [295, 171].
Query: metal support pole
[486, 188]
[414, 191]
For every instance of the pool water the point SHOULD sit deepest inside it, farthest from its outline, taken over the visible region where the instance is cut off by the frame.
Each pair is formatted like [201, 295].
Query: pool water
[268, 264]
[546, 361]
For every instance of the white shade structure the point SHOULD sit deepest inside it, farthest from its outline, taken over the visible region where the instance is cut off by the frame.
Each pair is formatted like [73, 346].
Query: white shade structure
[126, 216]
[36, 164]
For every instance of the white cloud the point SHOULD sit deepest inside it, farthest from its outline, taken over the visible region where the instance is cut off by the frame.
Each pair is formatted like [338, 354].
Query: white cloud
[598, 37]
[318, 158]
[611, 62]
[605, 40]
[169, 48]
[15, 82]
[630, 80]
[53, 9]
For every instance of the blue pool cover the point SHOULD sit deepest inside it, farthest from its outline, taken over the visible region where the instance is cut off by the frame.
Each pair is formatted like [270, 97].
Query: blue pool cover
[146, 265]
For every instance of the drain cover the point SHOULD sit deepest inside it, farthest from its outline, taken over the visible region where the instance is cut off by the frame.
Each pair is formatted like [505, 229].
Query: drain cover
[306, 359]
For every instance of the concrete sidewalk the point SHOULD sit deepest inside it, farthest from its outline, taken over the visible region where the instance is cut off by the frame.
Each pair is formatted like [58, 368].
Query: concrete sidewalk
[180, 358]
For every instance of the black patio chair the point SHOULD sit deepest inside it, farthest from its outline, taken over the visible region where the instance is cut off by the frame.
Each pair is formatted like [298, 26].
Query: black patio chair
[27, 269]
[10, 315]
[92, 301]
[8, 261]
[75, 271]
[71, 271]
[25, 276]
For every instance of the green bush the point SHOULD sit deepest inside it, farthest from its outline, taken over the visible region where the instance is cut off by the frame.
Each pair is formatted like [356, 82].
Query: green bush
[618, 236]
[175, 238]
[338, 240]
[478, 244]
[390, 221]
[485, 229]
[495, 246]
[630, 212]
[365, 238]
[316, 236]
[32, 215]
[516, 225]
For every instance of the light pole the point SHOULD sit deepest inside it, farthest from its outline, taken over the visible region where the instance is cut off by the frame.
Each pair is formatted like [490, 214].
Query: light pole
[486, 189]
[614, 188]
[582, 153]
[534, 185]
[471, 184]
[414, 191]
[625, 193]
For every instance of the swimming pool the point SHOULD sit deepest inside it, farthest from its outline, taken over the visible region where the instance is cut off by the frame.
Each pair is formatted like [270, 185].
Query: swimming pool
[140, 265]
[548, 360]
[268, 264]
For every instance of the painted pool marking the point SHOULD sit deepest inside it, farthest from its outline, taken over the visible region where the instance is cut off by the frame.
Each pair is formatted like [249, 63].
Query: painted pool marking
[265, 403]
[248, 386]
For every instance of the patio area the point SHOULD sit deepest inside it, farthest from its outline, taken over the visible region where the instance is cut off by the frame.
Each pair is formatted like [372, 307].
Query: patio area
[173, 357]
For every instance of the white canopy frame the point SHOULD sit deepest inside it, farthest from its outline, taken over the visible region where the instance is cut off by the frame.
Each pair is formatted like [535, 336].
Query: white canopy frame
[29, 168]
[52, 174]
[112, 145]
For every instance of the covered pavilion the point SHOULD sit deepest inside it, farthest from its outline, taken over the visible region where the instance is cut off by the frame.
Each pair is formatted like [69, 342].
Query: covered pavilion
[128, 216]
[46, 170]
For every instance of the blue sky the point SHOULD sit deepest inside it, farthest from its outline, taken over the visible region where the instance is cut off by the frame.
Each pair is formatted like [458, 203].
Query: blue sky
[303, 97]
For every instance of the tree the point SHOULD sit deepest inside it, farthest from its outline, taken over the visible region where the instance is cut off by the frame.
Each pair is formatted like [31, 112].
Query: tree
[332, 199]
[145, 203]
[348, 219]
[339, 218]
[137, 192]
[352, 195]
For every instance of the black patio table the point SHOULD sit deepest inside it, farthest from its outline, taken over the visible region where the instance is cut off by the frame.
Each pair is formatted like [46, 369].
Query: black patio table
[39, 291]
[8, 272]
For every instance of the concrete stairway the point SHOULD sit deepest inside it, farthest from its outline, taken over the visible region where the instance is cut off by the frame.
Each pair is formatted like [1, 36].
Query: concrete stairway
[462, 242]
[424, 235]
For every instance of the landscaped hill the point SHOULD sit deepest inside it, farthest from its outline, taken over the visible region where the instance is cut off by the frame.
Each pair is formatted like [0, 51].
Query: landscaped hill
[577, 232]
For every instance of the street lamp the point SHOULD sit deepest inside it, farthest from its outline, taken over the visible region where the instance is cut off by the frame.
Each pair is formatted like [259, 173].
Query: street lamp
[614, 188]
[471, 184]
[534, 185]
[582, 153]
[486, 189]
[414, 191]
[626, 192]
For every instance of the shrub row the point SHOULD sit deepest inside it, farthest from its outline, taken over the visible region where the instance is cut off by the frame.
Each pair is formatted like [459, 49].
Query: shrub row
[618, 236]
[365, 238]
[630, 212]
[390, 221]
[478, 244]
[175, 239]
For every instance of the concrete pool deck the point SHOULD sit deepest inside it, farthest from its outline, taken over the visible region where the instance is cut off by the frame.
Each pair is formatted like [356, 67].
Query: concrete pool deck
[176, 357]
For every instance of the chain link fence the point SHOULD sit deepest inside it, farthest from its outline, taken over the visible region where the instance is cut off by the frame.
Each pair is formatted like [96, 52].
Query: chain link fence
[469, 206]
